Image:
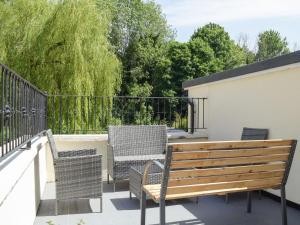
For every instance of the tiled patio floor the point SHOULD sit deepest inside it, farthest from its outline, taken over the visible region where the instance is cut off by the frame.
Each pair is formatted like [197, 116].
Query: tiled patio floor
[118, 209]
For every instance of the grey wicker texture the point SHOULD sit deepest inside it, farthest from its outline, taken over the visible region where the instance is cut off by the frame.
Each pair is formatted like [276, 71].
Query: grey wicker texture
[254, 134]
[78, 173]
[136, 178]
[134, 146]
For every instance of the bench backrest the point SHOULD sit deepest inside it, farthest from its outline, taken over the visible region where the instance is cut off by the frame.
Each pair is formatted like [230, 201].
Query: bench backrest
[228, 166]
[138, 140]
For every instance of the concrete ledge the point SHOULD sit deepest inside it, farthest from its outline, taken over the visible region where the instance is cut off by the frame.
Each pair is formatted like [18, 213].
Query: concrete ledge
[81, 137]
[172, 134]
[23, 179]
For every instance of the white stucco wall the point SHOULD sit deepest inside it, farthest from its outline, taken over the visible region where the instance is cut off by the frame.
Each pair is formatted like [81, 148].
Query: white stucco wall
[22, 182]
[269, 99]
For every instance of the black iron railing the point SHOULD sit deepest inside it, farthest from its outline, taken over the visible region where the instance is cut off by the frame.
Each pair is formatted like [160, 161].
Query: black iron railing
[69, 114]
[23, 111]
[26, 112]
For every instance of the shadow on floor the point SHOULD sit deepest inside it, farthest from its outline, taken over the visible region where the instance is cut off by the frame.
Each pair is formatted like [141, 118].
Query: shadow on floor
[215, 211]
[134, 203]
[120, 186]
[66, 207]
[130, 204]
[186, 222]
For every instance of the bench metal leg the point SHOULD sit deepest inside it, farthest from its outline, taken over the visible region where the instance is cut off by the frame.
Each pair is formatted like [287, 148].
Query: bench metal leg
[249, 202]
[143, 208]
[283, 206]
[114, 185]
[130, 195]
[107, 178]
[162, 210]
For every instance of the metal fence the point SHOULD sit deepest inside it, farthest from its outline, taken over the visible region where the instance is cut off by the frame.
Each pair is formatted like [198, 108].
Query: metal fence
[26, 112]
[69, 114]
[23, 111]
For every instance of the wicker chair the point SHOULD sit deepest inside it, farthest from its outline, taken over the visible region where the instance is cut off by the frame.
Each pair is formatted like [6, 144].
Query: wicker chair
[133, 146]
[253, 134]
[78, 173]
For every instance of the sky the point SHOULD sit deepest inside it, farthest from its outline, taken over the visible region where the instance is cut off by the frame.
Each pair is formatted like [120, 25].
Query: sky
[247, 17]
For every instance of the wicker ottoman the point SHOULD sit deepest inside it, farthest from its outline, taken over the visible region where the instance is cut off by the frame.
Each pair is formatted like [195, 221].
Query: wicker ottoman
[136, 177]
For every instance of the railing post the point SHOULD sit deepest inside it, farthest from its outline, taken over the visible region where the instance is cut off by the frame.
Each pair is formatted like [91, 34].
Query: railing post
[45, 111]
[192, 116]
[203, 113]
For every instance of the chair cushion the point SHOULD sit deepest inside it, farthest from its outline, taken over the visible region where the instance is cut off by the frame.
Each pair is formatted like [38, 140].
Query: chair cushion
[123, 163]
[139, 157]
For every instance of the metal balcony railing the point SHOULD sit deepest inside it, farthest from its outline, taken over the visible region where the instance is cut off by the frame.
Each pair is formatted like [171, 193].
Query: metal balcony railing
[69, 114]
[23, 111]
[27, 112]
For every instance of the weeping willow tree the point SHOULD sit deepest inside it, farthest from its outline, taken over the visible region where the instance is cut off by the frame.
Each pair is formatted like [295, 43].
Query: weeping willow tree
[62, 48]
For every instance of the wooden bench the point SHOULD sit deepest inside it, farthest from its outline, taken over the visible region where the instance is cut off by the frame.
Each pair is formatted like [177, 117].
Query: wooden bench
[210, 168]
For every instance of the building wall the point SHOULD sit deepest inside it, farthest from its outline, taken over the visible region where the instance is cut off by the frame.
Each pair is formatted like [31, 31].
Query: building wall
[22, 182]
[269, 99]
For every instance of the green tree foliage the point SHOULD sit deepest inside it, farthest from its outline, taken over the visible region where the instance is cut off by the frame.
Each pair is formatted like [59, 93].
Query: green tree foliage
[139, 34]
[244, 44]
[209, 50]
[202, 57]
[60, 47]
[227, 53]
[271, 44]
[181, 65]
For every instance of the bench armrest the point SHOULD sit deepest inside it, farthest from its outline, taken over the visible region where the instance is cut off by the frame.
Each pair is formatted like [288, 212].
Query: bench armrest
[147, 167]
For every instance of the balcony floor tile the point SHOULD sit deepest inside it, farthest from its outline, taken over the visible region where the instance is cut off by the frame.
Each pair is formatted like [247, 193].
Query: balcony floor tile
[118, 209]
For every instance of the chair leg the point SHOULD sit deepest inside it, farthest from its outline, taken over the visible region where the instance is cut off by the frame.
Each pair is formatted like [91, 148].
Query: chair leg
[227, 198]
[56, 207]
[162, 209]
[101, 205]
[143, 208]
[130, 195]
[283, 206]
[107, 178]
[249, 202]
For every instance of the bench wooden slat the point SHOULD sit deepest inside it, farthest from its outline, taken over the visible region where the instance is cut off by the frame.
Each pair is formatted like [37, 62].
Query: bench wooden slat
[227, 170]
[214, 192]
[229, 153]
[228, 145]
[224, 178]
[228, 161]
[224, 185]
[218, 188]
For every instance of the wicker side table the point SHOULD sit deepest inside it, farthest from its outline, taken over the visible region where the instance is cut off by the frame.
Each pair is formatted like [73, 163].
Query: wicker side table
[136, 177]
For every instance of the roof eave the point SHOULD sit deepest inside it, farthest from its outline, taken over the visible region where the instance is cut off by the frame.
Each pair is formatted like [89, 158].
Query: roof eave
[247, 69]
